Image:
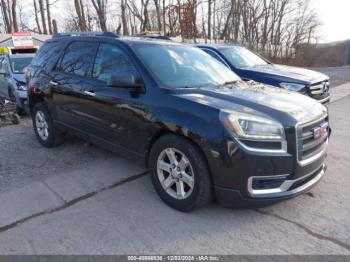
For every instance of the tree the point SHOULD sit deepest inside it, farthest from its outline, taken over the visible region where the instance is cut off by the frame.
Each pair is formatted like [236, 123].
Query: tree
[209, 17]
[100, 8]
[14, 16]
[42, 13]
[5, 15]
[159, 19]
[123, 7]
[37, 17]
[79, 9]
[9, 14]
[48, 15]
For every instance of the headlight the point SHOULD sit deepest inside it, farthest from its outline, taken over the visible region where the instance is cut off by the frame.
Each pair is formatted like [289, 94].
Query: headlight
[293, 87]
[252, 127]
[21, 87]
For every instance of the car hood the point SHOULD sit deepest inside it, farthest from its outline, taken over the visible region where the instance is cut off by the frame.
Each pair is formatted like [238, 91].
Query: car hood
[291, 72]
[19, 77]
[287, 107]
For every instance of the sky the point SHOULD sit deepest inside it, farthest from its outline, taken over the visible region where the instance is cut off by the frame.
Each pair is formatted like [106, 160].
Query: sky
[335, 18]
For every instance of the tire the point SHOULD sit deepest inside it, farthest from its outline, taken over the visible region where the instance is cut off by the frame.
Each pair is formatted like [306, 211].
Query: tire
[42, 121]
[168, 183]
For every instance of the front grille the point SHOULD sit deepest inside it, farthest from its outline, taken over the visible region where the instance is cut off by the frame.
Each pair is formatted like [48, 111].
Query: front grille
[319, 90]
[312, 138]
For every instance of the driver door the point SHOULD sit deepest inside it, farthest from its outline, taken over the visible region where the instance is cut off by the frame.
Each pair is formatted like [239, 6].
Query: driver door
[114, 113]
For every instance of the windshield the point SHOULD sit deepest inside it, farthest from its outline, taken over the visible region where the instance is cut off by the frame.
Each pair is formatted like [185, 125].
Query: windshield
[240, 56]
[182, 66]
[18, 64]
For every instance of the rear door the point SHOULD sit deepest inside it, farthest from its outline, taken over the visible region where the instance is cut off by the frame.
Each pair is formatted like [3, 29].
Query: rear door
[69, 82]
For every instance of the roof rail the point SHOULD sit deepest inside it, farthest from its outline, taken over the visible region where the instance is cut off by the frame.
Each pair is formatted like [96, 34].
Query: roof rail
[67, 34]
[153, 36]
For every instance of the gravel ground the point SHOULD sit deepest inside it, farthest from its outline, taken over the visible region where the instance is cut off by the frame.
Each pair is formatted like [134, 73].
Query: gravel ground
[26, 160]
[101, 204]
[338, 75]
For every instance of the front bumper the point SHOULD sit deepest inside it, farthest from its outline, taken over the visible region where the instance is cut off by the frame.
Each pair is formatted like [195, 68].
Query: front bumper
[326, 100]
[244, 178]
[22, 99]
[234, 198]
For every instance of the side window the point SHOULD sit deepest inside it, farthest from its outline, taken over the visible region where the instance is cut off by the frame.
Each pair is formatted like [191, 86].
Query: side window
[47, 55]
[110, 59]
[77, 58]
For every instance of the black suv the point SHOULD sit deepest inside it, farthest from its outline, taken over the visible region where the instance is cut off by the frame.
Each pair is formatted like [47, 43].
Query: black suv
[201, 130]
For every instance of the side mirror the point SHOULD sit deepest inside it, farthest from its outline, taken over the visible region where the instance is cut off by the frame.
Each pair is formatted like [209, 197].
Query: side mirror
[126, 80]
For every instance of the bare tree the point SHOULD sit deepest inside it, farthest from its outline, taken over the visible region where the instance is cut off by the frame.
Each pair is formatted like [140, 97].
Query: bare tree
[100, 8]
[37, 17]
[159, 19]
[14, 16]
[48, 16]
[42, 13]
[9, 14]
[123, 7]
[209, 17]
[79, 9]
[5, 15]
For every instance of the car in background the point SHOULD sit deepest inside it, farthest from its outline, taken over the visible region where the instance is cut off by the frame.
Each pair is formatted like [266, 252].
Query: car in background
[251, 66]
[12, 79]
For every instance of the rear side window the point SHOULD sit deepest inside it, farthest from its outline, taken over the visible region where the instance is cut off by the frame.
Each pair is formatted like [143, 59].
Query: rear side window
[111, 59]
[78, 58]
[47, 55]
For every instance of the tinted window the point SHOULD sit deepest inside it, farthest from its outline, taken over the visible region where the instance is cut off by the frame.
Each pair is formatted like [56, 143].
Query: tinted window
[181, 66]
[110, 59]
[240, 56]
[78, 58]
[47, 55]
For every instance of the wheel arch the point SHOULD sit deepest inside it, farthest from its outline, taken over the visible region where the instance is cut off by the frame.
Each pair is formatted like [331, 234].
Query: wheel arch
[33, 99]
[190, 138]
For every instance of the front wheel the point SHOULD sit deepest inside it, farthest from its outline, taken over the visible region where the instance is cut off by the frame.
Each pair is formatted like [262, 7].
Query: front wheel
[46, 132]
[180, 174]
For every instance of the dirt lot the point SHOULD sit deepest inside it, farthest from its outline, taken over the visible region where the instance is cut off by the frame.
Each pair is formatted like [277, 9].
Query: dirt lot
[81, 199]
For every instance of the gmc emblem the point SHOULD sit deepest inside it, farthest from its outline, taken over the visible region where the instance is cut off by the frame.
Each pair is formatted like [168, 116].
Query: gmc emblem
[320, 131]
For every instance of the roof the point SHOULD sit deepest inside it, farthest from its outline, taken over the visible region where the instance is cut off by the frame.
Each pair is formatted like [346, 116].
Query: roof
[125, 39]
[147, 40]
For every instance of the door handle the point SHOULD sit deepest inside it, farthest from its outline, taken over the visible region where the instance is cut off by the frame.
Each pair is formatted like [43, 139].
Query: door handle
[89, 93]
[53, 83]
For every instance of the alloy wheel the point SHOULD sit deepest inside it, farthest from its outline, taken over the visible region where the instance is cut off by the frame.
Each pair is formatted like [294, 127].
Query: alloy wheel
[175, 173]
[41, 125]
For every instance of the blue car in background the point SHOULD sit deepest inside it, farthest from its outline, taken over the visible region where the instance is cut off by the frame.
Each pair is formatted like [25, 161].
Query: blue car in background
[12, 80]
[250, 66]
